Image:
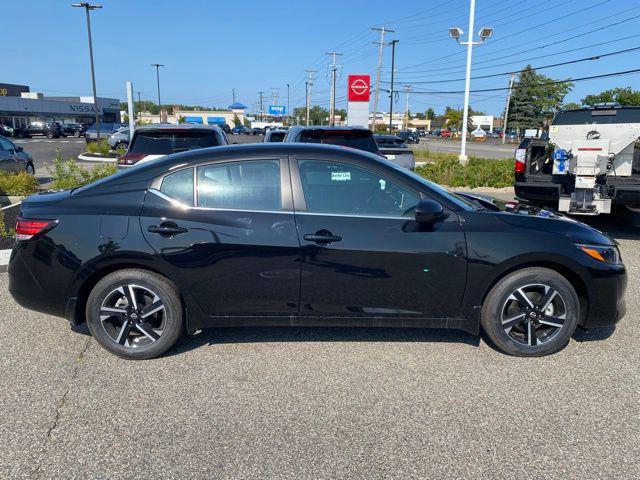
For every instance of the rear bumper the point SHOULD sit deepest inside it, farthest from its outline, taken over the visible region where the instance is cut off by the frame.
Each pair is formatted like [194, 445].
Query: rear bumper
[547, 193]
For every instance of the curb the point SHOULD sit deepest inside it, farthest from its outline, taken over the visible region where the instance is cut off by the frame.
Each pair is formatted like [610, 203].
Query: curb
[4, 259]
[96, 159]
[9, 201]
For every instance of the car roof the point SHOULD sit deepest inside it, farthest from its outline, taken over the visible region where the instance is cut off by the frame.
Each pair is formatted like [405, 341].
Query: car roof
[173, 126]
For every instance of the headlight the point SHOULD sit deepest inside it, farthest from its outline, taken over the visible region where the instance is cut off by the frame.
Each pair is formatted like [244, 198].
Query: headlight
[609, 254]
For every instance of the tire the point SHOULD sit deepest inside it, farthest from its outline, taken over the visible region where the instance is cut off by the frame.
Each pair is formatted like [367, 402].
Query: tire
[523, 316]
[30, 169]
[123, 331]
[76, 133]
[50, 135]
[121, 145]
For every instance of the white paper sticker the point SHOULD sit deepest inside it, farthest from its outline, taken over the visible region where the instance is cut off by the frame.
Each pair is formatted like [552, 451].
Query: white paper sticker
[383, 184]
[391, 157]
[340, 176]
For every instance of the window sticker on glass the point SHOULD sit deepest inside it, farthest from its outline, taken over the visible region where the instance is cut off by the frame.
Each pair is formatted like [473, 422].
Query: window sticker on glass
[383, 184]
[340, 176]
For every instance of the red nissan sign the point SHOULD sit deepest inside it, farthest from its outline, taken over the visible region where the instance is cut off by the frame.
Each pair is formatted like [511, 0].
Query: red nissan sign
[358, 86]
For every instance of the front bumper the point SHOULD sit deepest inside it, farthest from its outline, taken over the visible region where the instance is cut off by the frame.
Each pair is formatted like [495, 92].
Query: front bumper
[607, 304]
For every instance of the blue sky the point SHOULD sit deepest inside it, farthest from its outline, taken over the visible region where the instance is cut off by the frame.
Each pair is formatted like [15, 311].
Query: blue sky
[210, 47]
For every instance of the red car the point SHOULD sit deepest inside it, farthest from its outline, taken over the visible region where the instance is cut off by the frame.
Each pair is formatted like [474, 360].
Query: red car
[446, 134]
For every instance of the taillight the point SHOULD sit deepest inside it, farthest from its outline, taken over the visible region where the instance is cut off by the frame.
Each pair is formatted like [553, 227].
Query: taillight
[130, 158]
[521, 160]
[26, 229]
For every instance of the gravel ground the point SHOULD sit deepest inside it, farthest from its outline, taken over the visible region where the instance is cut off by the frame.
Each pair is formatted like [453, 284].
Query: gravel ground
[321, 403]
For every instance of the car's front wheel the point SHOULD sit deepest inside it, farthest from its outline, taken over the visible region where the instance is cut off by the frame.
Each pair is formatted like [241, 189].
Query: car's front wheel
[50, 135]
[531, 312]
[30, 169]
[135, 314]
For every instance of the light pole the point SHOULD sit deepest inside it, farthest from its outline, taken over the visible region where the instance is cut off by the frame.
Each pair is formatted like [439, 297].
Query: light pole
[158, 65]
[393, 66]
[87, 6]
[455, 33]
[288, 106]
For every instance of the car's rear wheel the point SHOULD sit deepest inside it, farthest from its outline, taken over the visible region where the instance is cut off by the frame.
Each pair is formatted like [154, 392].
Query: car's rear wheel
[76, 133]
[30, 169]
[122, 146]
[531, 312]
[135, 314]
[50, 135]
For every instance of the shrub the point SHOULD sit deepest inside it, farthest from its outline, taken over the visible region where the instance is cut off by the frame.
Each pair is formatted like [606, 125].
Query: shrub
[20, 183]
[479, 172]
[101, 147]
[68, 174]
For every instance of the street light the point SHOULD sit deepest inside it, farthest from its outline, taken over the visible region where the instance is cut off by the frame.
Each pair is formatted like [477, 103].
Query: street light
[456, 33]
[87, 6]
[158, 65]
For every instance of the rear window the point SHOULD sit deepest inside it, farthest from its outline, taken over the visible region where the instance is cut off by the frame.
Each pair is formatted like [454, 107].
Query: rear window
[172, 141]
[277, 136]
[598, 116]
[358, 139]
[391, 142]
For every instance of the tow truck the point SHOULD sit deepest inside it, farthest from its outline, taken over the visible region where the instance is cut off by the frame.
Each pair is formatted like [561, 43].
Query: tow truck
[589, 164]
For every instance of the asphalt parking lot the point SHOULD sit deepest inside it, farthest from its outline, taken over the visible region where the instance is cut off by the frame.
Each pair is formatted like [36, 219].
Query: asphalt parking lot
[321, 403]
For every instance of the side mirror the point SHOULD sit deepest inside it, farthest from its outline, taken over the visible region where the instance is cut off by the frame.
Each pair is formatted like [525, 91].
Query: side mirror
[19, 148]
[429, 211]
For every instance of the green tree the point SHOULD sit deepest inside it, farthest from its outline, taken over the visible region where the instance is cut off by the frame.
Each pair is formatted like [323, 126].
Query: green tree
[571, 106]
[430, 113]
[535, 99]
[317, 115]
[453, 118]
[236, 121]
[624, 96]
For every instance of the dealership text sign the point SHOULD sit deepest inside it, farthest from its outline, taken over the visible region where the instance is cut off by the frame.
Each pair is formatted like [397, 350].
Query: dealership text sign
[358, 88]
[277, 110]
[84, 109]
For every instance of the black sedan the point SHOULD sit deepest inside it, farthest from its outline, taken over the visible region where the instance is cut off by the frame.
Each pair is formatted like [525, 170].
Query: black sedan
[303, 234]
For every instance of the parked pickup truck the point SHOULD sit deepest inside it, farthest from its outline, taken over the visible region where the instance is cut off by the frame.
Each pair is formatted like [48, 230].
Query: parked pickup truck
[589, 164]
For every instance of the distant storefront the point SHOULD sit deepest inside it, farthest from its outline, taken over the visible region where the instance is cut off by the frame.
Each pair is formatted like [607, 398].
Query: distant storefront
[19, 107]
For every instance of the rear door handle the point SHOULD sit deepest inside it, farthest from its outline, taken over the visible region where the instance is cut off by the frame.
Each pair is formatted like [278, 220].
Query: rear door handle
[167, 229]
[322, 237]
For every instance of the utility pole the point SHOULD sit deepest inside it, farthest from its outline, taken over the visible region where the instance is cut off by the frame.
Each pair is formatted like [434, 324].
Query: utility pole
[393, 64]
[233, 95]
[274, 95]
[87, 6]
[506, 110]
[158, 65]
[332, 105]
[309, 84]
[382, 31]
[288, 105]
[261, 105]
[139, 109]
[407, 90]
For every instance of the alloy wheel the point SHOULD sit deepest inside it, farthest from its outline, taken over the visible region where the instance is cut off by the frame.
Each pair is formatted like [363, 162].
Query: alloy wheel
[133, 316]
[533, 314]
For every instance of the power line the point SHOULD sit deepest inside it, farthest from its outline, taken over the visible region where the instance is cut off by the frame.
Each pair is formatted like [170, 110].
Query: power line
[569, 80]
[542, 67]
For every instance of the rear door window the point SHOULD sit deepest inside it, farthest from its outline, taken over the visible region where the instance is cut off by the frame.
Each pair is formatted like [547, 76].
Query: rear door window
[168, 142]
[179, 185]
[243, 185]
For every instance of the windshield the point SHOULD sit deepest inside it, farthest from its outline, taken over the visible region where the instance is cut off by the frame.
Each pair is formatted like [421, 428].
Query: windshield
[166, 142]
[358, 139]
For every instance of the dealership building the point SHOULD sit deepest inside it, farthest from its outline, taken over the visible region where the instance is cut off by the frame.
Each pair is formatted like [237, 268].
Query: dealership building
[19, 107]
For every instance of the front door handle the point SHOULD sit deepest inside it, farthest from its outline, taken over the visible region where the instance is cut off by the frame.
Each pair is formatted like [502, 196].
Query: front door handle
[322, 237]
[167, 229]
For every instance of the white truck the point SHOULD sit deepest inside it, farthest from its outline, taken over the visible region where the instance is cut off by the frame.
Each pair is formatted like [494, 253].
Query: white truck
[588, 165]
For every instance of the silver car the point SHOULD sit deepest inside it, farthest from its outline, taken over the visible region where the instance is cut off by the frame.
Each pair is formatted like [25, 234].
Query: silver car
[119, 139]
[13, 158]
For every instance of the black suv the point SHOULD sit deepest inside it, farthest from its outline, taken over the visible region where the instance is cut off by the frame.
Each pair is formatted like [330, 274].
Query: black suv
[353, 137]
[73, 129]
[48, 129]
